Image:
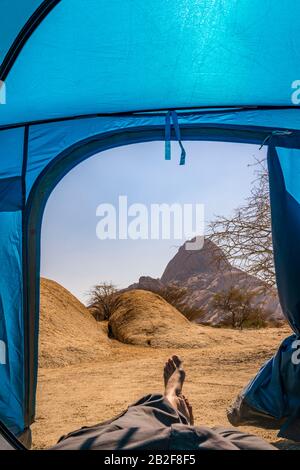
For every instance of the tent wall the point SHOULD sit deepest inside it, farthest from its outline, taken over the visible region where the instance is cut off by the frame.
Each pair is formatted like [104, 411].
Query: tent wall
[48, 140]
[284, 171]
[11, 321]
[11, 285]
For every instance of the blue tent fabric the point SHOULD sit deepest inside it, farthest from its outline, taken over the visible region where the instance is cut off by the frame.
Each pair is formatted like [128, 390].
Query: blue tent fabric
[11, 321]
[47, 141]
[284, 172]
[182, 54]
[12, 21]
[82, 77]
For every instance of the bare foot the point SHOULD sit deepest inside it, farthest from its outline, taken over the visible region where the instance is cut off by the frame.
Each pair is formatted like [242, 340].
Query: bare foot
[168, 370]
[174, 376]
[182, 407]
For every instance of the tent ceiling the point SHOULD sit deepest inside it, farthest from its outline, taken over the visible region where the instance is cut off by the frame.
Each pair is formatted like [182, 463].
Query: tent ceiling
[13, 17]
[100, 56]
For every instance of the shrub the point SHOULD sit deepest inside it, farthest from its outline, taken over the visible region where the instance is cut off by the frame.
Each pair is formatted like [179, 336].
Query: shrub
[103, 301]
[237, 304]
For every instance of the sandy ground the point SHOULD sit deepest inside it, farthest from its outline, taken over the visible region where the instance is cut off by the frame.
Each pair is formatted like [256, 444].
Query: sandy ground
[77, 395]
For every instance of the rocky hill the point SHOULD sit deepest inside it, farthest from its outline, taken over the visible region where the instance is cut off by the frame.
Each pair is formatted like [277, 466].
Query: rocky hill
[188, 263]
[146, 319]
[206, 272]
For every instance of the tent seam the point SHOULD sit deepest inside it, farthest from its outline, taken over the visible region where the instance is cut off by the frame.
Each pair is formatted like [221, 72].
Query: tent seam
[24, 274]
[24, 34]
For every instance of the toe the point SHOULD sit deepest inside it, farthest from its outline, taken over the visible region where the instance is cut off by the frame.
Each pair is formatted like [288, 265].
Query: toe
[172, 365]
[177, 361]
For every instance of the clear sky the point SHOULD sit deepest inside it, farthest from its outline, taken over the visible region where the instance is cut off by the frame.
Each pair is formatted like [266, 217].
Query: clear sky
[217, 175]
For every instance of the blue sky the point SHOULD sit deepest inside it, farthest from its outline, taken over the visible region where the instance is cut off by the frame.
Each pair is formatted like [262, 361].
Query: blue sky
[217, 175]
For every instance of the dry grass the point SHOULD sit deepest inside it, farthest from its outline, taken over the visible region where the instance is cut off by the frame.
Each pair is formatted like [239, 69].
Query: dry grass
[68, 332]
[104, 384]
[144, 318]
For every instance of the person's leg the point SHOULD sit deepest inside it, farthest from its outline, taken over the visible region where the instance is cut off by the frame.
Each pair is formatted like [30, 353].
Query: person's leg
[243, 440]
[146, 422]
[174, 376]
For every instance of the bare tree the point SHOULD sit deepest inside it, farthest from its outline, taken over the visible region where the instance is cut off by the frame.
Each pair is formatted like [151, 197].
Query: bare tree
[246, 237]
[238, 308]
[103, 301]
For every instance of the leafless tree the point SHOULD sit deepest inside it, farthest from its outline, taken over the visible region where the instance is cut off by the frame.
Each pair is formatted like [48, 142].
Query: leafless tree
[246, 237]
[103, 301]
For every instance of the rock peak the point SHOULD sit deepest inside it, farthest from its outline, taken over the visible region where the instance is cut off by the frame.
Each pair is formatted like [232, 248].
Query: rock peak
[186, 263]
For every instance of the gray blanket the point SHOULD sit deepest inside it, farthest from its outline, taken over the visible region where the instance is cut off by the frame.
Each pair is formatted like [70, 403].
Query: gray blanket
[153, 424]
